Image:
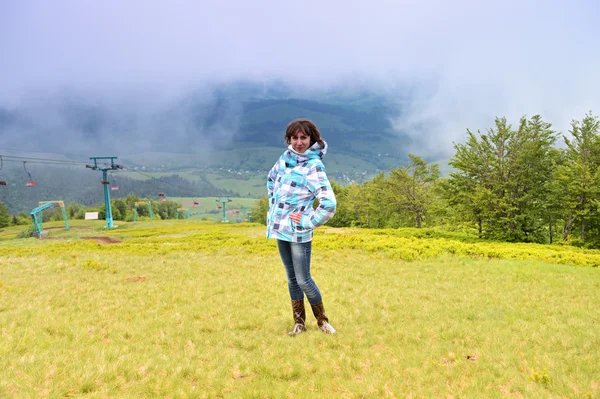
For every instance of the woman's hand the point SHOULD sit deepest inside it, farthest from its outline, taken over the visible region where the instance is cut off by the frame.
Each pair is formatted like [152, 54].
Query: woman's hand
[296, 216]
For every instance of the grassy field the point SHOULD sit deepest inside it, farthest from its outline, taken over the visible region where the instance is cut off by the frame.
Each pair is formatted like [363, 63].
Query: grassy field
[185, 309]
[207, 208]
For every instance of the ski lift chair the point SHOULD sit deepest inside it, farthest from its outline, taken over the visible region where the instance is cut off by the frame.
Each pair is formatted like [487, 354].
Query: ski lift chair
[30, 182]
[2, 181]
[114, 187]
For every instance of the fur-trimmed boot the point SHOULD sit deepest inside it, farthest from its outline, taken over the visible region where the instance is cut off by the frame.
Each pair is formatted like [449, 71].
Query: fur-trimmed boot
[322, 320]
[299, 317]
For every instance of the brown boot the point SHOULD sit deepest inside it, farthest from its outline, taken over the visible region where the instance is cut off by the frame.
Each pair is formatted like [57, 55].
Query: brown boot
[322, 320]
[299, 317]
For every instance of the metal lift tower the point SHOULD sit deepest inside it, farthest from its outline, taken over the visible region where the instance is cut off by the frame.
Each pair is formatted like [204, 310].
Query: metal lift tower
[105, 168]
[223, 201]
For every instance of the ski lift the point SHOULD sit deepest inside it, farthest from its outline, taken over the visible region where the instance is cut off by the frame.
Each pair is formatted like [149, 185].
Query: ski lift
[114, 187]
[2, 181]
[30, 182]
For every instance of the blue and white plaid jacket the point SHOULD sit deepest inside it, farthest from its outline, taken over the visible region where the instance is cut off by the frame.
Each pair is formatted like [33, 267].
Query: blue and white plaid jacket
[293, 184]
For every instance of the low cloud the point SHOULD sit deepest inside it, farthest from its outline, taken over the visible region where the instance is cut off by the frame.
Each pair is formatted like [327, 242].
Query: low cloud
[449, 65]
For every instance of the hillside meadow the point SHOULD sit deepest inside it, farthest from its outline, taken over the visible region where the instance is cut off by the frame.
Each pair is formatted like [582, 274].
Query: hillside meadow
[197, 309]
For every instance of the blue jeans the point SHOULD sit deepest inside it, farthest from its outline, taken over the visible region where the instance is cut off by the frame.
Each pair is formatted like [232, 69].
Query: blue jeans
[296, 259]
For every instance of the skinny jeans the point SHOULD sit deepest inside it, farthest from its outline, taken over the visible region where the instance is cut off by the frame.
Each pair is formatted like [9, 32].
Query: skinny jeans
[296, 259]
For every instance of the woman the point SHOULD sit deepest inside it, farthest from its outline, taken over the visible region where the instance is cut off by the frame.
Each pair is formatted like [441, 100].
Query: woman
[296, 179]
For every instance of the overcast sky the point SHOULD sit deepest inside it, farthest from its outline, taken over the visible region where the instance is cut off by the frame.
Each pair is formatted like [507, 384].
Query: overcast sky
[469, 60]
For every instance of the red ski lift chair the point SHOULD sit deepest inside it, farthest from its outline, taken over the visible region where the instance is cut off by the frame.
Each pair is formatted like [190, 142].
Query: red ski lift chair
[30, 182]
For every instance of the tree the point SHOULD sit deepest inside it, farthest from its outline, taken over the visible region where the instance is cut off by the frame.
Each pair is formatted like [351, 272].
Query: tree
[362, 202]
[530, 168]
[501, 179]
[74, 210]
[470, 187]
[411, 189]
[119, 209]
[579, 176]
[260, 210]
[4, 216]
[343, 213]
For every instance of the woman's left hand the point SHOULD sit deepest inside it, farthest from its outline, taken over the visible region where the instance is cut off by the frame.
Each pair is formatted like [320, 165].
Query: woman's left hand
[296, 217]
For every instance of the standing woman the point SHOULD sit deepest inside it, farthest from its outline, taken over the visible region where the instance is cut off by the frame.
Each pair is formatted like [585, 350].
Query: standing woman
[296, 179]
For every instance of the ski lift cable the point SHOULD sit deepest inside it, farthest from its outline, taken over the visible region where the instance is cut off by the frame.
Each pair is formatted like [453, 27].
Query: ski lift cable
[47, 162]
[35, 151]
[11, 158]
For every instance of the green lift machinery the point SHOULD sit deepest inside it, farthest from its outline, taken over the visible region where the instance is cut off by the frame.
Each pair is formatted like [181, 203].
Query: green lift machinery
[37, 216]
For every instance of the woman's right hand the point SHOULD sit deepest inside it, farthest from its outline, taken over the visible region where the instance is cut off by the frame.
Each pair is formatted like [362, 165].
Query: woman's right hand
[296, 216]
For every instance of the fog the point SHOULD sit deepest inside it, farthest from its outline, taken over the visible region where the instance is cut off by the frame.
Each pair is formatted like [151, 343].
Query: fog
[129, 66]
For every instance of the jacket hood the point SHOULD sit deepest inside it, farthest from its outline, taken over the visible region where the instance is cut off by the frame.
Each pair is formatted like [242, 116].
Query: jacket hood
[315, 151]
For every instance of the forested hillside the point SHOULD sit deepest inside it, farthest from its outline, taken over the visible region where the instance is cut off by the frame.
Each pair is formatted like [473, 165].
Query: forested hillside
[234, 117]
[84, 186]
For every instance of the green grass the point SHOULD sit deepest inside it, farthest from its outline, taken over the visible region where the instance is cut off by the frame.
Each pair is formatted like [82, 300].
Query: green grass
[207, 208]
[196, 309]
[253, 185]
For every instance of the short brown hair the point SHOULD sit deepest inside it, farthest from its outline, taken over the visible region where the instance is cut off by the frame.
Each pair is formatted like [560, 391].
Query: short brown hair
[305, 126]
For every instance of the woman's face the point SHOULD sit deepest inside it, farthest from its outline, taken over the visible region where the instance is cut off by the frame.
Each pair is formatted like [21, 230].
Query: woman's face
[300, 141]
